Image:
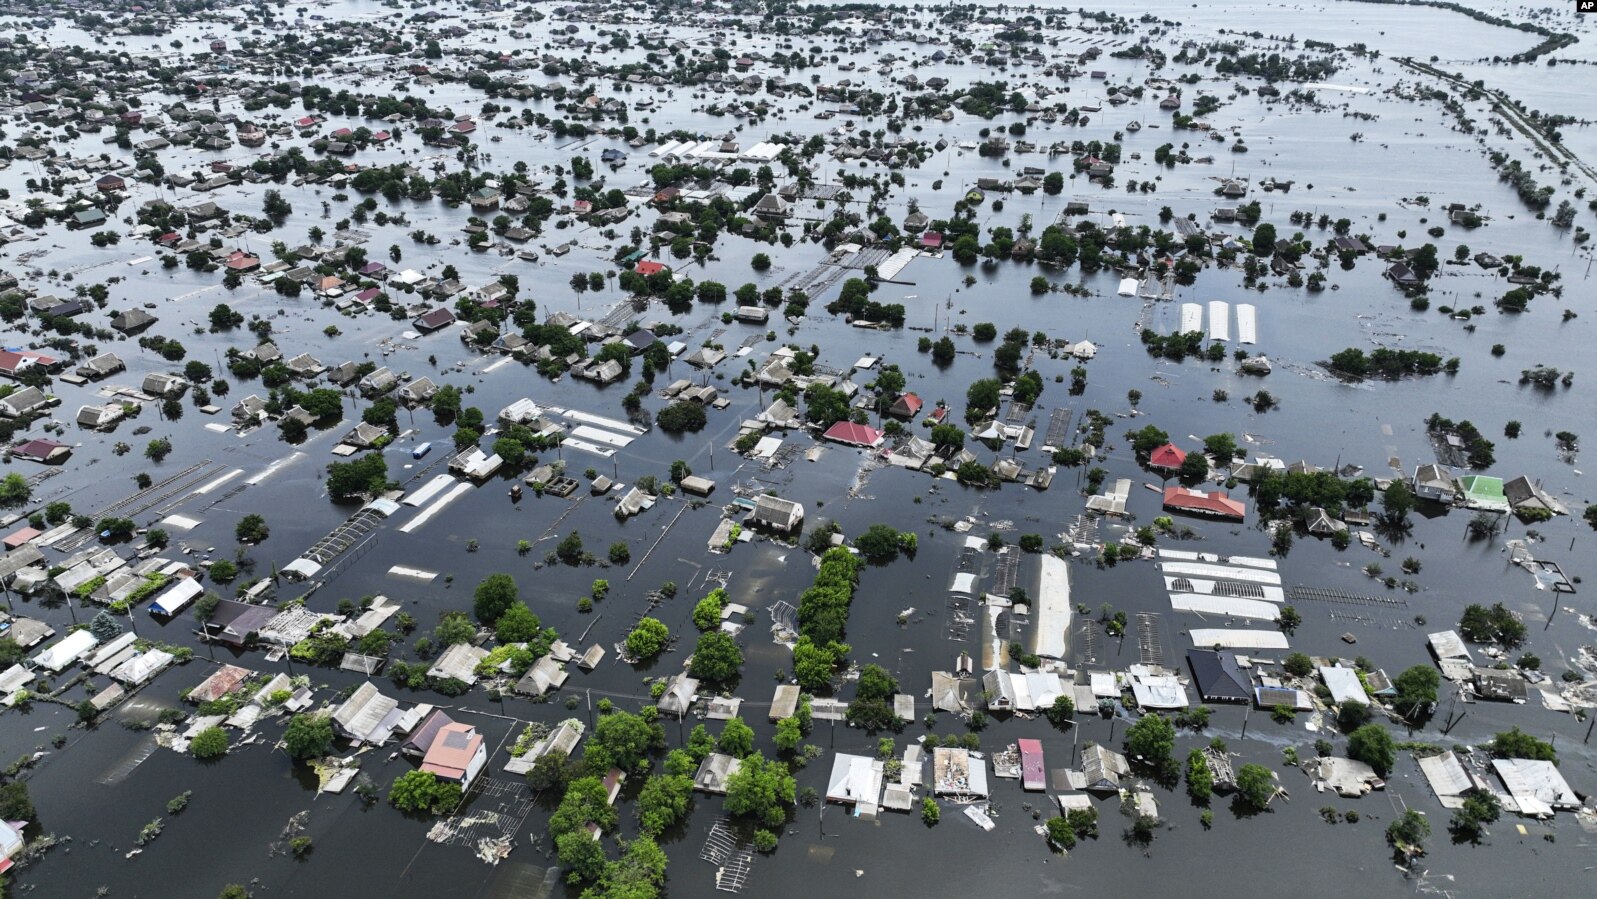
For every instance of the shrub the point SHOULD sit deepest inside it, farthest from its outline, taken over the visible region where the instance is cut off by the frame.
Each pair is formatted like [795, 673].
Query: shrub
[209, 743]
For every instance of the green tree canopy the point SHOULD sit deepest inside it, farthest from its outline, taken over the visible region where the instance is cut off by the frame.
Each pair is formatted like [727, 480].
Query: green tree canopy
[664, 801]
[621, 740]
[308, 736]
[737, 738]
[423, 792]
[1372, 744]
[1255, 786]
[716, 657]
[1151, 740]
[496, 594]
[761, 790]
[647, 638]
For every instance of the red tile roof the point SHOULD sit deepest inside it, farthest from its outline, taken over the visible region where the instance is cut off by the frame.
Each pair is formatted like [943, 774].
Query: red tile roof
[452, 751]
[853, 434]
[649, 267]
[1215, 502]
[1167, 456]
[906, 404]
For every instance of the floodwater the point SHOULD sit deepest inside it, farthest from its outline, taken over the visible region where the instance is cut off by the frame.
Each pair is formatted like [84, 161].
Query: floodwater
[242, 804]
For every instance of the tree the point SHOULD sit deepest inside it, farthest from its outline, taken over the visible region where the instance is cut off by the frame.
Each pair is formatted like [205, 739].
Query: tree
[813, 663]
[224, 316]
[496, 594]
[716, 657]
[1290, 619]
[707, 613]
[1062, 712]
[638, 874]
[1255, 786]
[1146, 440]
[251, 529]
[1264, 240]
[930, 812]
[943, 351]
[1408, 833]
[348, 480]
[104, 627]
[1372, 744]
[1497, 624]
[1397, 501]
[549, 772]
[14, 490]
[581, 855]
[1416, 691]
[1194, 468]
[789, 735]
[209, 743]
[879, 543]
[518, 624]
[308, 736]
[760, 790]
[14, 802]
[621, 740]
[1480, 808]
[1298, 665]
[454, 628]
[1516, 744]
[1060, 833]
[876, 683]
[233, 891]
[663, 802]
[647, 638]
[1352, 715]
[1151, 740]
[569, 549]
[681, 416]
[1223, 447]
[737, 738]
[585, 802]
[1200, 780]
[983, 394]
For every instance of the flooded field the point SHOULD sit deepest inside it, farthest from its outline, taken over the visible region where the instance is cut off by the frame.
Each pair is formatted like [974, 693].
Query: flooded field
[1368, 143]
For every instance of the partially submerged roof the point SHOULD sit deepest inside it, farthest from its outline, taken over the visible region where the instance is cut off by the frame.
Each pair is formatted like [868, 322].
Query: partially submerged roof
[361, 716]
[453, 751]
[1218, 677]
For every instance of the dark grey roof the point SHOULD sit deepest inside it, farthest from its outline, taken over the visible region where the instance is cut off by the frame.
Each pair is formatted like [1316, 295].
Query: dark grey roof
[1217, 676]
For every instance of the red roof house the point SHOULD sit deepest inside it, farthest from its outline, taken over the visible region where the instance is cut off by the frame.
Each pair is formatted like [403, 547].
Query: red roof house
[1031, 765]
[20, 536]
[932, 240]
[13, 364]
[906, 406]
[1215, 503]
[47, 452]
[456, 754]
[1168, 457]
[851, 434]
[648, 267]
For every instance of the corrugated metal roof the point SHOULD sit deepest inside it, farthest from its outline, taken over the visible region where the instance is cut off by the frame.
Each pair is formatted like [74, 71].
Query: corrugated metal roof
[1226, 638]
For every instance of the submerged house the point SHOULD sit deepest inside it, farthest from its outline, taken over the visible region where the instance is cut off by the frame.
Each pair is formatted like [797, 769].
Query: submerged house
[1215, 503]
[774, 513]
[1218, 677]
[457, 754]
